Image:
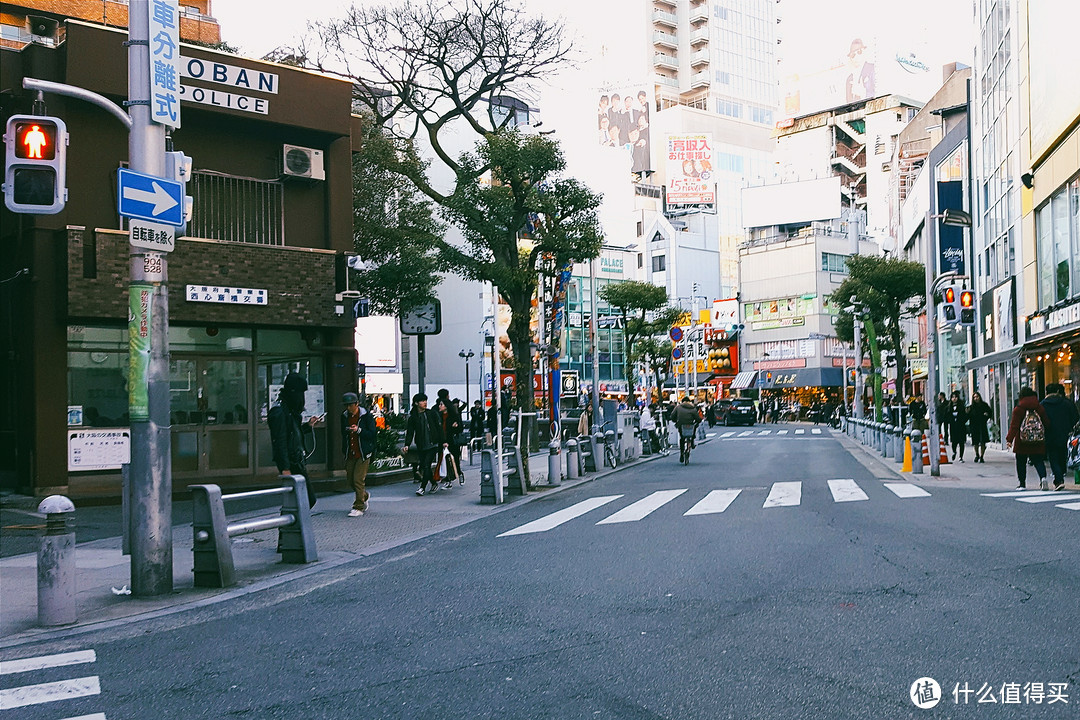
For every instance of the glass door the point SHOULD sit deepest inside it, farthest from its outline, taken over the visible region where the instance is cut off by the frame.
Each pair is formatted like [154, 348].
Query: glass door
[211, 417]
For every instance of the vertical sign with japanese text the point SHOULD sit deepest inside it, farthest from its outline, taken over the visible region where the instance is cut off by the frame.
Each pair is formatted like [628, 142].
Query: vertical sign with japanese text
[165, 62]
[141, 300]
[691, 179]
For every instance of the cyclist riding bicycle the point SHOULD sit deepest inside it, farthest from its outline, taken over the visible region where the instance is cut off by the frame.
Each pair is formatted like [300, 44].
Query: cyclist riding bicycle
[687, 417]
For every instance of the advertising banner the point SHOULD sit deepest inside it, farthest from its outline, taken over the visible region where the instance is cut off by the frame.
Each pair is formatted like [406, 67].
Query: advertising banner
[622, 121]
[690, 175]
[141, 301]
[784, 312]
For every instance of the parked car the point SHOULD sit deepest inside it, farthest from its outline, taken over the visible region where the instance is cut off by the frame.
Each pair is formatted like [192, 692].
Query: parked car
[737, 411]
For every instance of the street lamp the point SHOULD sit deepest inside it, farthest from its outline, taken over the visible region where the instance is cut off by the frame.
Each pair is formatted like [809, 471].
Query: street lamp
[466, 355]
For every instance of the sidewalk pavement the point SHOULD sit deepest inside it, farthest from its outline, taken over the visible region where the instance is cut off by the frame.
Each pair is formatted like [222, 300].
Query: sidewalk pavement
[395, 516]
[997, 474]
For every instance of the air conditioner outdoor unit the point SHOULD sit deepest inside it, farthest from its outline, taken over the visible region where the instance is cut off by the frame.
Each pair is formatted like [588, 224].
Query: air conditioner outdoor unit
[302, 162]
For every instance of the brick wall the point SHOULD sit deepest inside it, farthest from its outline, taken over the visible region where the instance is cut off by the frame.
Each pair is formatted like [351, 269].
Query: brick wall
[115, 14]
[300, 283]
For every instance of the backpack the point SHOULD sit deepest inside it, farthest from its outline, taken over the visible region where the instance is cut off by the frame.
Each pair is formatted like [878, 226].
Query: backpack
[1031, 429]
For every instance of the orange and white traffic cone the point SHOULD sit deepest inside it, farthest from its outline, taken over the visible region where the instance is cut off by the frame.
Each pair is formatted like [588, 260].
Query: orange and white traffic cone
[944, 460]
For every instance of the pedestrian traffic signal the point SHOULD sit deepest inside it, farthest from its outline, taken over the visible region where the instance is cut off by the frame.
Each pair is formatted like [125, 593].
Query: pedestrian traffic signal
[950, 309]
[967, 308]
[35, 161]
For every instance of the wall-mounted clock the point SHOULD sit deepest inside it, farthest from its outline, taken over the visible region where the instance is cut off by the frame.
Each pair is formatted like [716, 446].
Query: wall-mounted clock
[423, 320]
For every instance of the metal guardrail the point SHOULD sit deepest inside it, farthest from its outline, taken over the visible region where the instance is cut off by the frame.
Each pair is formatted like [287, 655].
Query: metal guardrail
[212, 534]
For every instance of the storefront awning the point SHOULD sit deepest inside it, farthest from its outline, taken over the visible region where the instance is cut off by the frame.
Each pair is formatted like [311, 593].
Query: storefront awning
[806, 377]
[744, 379]
[992, 358]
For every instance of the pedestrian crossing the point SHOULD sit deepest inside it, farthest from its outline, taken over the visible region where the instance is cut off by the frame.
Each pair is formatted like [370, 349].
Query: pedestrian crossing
[53, 691]
[1066, 501]
[768, 432]
[781, 495]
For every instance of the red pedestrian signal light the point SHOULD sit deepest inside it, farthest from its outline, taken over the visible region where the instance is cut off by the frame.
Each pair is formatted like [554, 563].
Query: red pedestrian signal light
[35, 150]
[950, 310]
[967, 308]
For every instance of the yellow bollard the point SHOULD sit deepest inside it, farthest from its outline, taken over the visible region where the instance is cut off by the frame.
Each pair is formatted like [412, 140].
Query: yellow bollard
[906, 467]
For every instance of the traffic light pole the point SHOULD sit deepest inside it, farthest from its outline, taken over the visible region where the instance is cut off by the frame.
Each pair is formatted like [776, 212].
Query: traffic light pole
[150, 491]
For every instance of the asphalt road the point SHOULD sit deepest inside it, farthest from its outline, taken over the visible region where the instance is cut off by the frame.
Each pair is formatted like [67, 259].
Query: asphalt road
[788, 603]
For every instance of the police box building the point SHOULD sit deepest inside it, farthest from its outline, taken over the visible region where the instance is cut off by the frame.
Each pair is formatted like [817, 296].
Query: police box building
[254, 286]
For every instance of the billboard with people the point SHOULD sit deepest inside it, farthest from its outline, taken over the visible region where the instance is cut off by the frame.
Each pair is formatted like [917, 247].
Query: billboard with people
[623, 119]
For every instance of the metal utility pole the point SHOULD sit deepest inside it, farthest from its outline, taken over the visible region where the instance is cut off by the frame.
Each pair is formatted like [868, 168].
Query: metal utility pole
[858, 402]
[594, 343]
[151, 452]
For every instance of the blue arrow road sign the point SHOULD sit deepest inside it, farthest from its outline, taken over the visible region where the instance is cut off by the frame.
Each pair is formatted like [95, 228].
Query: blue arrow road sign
[151, 198]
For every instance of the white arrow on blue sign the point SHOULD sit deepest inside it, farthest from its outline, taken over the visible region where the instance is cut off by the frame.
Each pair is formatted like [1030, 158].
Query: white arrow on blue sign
[151, 198]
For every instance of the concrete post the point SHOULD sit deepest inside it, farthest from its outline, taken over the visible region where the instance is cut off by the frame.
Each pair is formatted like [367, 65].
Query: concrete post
[916, 452]
[554, 463]
[898, 445]
[887, 445]
[573, 467]
[56, 571]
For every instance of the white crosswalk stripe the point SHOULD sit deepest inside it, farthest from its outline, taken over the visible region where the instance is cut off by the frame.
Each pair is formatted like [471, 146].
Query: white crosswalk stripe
[728, 434]
[49, 692]
[781, 494]
[716, 501]
[815, 431]
[1067, 501]
[846, 491]
[906, 490]
[744, 433]
[765, 432]
[784, 494]
[640, 509]
[781, 432]
[558, 518]
[800, 431]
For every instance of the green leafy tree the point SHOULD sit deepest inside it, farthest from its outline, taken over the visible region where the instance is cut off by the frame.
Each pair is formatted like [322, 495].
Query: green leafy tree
[394, 229]
[436, 71]
[890, 290]
[633, 299]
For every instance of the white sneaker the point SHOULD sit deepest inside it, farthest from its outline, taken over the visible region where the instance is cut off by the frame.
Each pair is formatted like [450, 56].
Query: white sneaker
[355, 513]
[1043, 485]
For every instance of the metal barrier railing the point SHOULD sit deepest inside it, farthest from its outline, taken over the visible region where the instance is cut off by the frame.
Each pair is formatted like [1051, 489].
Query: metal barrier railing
[212, 548]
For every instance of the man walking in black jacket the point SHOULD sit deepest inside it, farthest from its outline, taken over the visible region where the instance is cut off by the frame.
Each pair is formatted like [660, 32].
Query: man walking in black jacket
[287, 430]
[425, 429]
[1063, 418]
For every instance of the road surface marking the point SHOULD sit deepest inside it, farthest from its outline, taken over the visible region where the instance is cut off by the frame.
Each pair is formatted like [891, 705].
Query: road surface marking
[781, 432]
[800, 431]
[47, 661]
[765, 432]
[1070, 506]
[846, 491]
[1048, 497]
[907, 490]
[636, 511]
[744, 433]
[1019, 493]
[558, 518]
[49, 692]
[716, 501]
[815, 431]
[95, 716]
[729, 433]
[784, 494]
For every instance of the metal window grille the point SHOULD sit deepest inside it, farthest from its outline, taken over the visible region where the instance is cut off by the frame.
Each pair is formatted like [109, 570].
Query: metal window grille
[237, 209]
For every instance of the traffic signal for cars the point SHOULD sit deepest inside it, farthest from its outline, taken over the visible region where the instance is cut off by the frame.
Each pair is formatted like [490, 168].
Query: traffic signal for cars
[967, 308]
[950, 306]
[35, 150]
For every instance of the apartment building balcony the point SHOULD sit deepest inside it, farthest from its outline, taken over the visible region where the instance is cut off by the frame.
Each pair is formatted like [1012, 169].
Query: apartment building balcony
[659, 37]
[701, 57]
[667, 3]
[700, 79]
[667, 81]
[662, 17]
[699, 37]
[699, 13]
[663, 60]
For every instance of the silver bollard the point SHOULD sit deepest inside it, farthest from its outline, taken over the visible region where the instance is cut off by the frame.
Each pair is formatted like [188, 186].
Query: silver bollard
[573, 467]
[58, 602]
[916, 452]
[898, 445]
[887, 442]
[554, 463]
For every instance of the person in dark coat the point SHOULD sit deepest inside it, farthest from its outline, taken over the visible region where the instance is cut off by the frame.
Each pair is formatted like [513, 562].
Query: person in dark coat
[358, 434]
[956, 421]
[476, 421]
[979, 414]
[450, 424]
[424, 428]
[917, 408]
[287, 430]
[1063, 418]
[1027, 451]
[941, 408]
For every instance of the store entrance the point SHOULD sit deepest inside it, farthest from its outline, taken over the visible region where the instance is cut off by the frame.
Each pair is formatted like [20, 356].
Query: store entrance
[211, 416]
